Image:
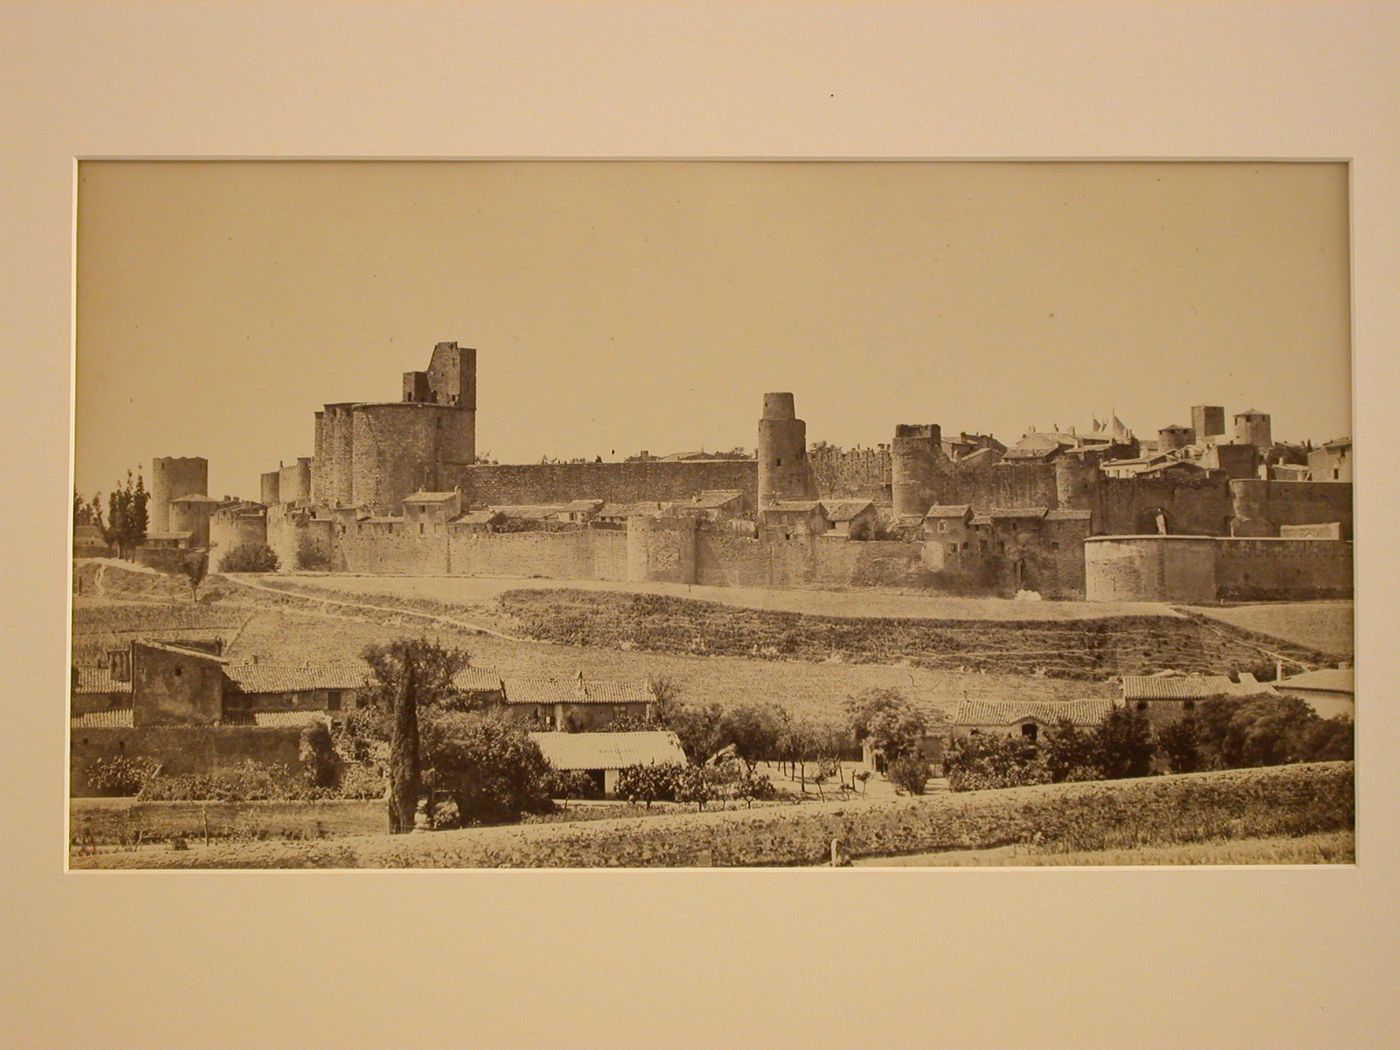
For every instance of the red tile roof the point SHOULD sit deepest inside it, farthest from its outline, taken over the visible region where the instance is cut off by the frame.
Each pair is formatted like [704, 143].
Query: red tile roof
[1047, 712]
[290, 678]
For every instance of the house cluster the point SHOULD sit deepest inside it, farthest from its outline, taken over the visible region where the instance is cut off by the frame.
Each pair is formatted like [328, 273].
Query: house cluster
[151, 683]
[1160, 698]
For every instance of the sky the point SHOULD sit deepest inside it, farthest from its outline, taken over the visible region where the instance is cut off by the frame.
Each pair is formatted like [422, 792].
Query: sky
[621, 306]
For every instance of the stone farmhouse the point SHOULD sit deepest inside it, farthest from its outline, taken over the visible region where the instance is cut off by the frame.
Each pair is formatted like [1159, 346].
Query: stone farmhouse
[1025, 719]
[603, 755]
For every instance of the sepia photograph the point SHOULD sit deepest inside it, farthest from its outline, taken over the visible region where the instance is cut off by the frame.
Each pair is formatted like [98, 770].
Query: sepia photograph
[711, 514]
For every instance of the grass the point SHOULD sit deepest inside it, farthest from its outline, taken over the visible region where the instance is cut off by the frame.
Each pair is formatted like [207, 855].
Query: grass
[1333, 847]
[1153, 812]
[1328, 626]
[1075, 649]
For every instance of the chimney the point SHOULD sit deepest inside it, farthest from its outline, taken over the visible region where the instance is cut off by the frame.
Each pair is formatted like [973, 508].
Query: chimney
[1278, 670]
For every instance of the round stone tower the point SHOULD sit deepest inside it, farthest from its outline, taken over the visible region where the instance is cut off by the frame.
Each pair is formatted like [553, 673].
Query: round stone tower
[913, 456]
[783, 470]
[171, 478]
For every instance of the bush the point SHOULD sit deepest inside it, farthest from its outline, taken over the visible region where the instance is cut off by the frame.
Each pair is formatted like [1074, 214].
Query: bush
[122, 774]
[1269, 731]
[887, 720]
[249, 781]
[250, 557]
[1180, 744]
[570, 784]
[909, 773]
[653, 782]
[488, 766]
[316, 750]
[1124, 746]
[311, 555]
[446, 816]
[990, 761]
[698, 784]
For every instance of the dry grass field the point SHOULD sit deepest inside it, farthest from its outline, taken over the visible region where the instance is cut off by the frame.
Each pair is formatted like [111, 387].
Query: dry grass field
[857, 602]
[1328, 626]
[1334, 847]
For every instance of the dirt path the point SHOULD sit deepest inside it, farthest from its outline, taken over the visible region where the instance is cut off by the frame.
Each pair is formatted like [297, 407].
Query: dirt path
[317, 604]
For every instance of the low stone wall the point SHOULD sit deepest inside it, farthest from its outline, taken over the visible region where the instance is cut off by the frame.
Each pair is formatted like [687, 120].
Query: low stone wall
[105, 821]
[181, 749]
[1284, 569]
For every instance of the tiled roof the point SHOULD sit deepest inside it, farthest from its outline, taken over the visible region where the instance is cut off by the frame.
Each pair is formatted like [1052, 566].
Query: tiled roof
[619, 691]
[477, 680]
[289, 678]
[1046, 712]
[582, 505]
[429, 497]
[845, 509]
[1018, 512]
[948, 510]
[288, 718]
[1068, 515]
[1176, 687]
[609, 750]
[543, 690]
[628, 510]
[980, 519]
[99, 680]
[478, 517]
[117, 718]
[793, 506]
[577, 691]
[717, 497]
[1328, 679]
[529, 510]
[181, 650]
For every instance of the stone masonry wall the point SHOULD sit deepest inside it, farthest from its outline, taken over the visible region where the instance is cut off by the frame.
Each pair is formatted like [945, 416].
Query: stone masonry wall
[182, 749]
[487, 485]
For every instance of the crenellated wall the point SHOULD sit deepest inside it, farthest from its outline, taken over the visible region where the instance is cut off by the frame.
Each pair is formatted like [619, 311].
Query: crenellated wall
[650, 481]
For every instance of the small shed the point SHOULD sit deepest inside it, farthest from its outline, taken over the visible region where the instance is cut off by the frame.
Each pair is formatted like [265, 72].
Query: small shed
[603, 755]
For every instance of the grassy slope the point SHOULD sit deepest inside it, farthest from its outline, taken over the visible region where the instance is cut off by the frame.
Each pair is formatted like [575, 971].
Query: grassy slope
[1156, 811]
[1330, 847]
[1324, 625]
[1084, 649]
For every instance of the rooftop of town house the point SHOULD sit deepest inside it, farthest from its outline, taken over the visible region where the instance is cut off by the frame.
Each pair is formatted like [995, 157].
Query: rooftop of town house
[845, 509]
[430, 497]
[117, 718]
[1047, 712]
[949, 510]
[477, 680]
[99, 680]
[1176, 687]
[295, 678]
[1324, 680]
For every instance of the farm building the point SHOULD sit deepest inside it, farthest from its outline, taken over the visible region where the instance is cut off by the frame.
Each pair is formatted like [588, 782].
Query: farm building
[852, 518]
[1025, 718]
[602, 755]
[1168, 697]
[577, 704]
[1330, 691]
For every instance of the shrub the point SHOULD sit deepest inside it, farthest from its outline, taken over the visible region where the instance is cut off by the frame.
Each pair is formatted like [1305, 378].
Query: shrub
[1124, 746]
[991, 761]
[698, 784]
[311, 555]
[909, 773]
[570, 783]
[1269, 731]
[122, 774]
[249, 781]
[249, 557]
[446, 815]
[1071, 753]
[316, 750]
[653, 782]
[488, 766]
[887, 720]
[1180, 744]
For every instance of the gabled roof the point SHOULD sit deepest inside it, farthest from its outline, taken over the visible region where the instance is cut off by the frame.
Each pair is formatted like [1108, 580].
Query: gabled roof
[534, 690]
[845, 509]
[1047, 712]
[619, 691]
[609, 750]
[477, 680]
[289, 678]
[1250, 412]
[1017, 513]
[478, 517]
[949, 510]
[99, 680]
[1325, 680]
[795, 506]
[117, 718]
[430, 497]
[1176, 687]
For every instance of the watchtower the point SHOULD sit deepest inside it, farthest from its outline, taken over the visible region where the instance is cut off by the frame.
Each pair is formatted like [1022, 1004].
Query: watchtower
[783, 470]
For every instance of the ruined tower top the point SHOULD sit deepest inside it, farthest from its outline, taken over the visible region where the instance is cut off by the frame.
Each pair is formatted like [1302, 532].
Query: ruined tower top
[779, 406]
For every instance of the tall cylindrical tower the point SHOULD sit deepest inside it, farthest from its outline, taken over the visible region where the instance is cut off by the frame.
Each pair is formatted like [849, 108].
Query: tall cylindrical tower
[783, 469]
[171, 478]
[268, 488]
[913, 455]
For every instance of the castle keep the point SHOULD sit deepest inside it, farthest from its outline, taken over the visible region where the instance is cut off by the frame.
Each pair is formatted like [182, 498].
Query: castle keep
[373, 454]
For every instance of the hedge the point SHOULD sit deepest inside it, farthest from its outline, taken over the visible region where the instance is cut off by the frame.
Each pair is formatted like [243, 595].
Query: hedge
[1252, 803]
